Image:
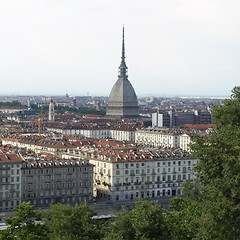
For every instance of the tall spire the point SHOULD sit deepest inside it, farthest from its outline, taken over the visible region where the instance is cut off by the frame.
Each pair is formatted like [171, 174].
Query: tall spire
[122, 101]
[123, 46]
[123, 66]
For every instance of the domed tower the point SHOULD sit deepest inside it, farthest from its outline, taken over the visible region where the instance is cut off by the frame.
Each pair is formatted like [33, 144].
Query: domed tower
[122, 101]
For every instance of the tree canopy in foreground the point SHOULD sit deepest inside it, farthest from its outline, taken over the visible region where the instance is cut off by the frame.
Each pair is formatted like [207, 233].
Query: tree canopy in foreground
[218, 172]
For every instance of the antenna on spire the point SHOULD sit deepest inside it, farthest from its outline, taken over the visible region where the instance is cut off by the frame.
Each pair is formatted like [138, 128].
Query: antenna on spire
[123, 45]
[123, 66]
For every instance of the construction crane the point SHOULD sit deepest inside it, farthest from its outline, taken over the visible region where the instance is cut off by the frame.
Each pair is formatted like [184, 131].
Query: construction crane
[40, 120]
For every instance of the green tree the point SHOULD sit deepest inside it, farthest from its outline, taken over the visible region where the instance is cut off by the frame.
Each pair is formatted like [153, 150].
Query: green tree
[183, 217]
[11, 104]
[72, 223]
[146, 221]
[218, 172]
[23, 225]
[122, 228]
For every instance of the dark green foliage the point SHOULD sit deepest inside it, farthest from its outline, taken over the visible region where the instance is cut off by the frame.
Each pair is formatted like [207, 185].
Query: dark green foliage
[37, 108]
[121, 228]
[145, 221]
[73, 223]
[80, 110]
[219, 173]
[11, 104]
[23, 225]
[183, 218]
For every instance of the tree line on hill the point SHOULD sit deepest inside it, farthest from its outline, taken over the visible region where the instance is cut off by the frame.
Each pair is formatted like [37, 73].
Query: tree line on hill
[11, 104]
[210, 208]
[63, 109]
[60, 109]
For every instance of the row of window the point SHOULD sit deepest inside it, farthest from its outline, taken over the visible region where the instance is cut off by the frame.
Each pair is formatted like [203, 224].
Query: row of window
[11, 194]
[152, 194]
[56, 193]
[7, 172]
[137, 171]
[127, 165]
[9, 179]
[57, 177]
[56, 185]
[157, 179]
[62, 200]
[9, 187]
[137, 165]
[6, 204]
[153, 186]
[8, 166]
[55, 170]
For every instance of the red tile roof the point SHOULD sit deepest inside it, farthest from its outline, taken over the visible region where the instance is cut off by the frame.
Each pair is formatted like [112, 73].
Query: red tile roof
[10, 158]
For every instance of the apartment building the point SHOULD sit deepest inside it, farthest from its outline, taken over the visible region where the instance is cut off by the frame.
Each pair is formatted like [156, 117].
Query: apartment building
[39, 144]
[163, 137]
[128, 175]
[157, 137]
[105, 169]
[120, 134]
[51, 181]
[42, 178]
[10, 180]
[155, 178]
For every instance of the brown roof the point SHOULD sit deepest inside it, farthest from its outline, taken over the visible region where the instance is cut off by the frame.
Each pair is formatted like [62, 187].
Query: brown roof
[10, 158]
[199, 126]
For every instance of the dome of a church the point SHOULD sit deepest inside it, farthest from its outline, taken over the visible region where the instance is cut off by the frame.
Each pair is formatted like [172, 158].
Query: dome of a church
[122, 91]
[122, 102]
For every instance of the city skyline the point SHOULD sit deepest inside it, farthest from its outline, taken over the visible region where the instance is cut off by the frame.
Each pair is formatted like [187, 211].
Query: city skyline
[173, 48]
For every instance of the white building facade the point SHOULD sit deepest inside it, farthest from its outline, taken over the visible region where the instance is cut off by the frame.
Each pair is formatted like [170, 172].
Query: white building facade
[132, 175]
[128, 180]
[116, 134]
[157, 138]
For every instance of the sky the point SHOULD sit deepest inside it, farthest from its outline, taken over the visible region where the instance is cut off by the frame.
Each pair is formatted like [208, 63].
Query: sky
[173, 47]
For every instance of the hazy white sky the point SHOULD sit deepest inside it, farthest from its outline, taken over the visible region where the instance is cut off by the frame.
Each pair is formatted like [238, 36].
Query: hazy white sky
[173, 47]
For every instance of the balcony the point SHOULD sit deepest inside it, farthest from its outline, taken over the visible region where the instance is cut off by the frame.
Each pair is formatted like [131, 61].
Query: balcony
[4, 175]
[98, 182]
[4, 183]
[118, 184]
[137, 183]
[126, 184]
[148, 183]
[106, 184]
[4, 168]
